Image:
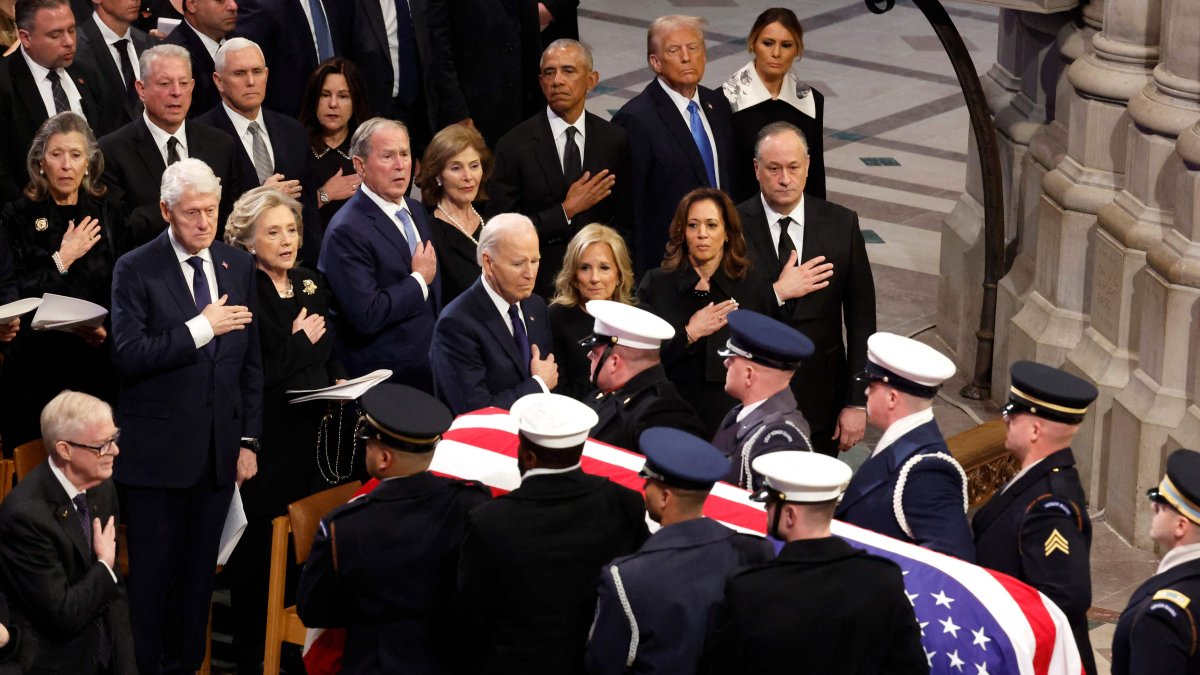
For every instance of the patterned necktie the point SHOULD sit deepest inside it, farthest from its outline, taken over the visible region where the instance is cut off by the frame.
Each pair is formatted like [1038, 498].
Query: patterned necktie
[786, 245]
[321, 30]
[701, 138]
[122, 48]
[410, 230]
[520, 337]
[172, 150]
[59, 94]
[261, 158]
[201, 293]
[84, 515]
[572, 163]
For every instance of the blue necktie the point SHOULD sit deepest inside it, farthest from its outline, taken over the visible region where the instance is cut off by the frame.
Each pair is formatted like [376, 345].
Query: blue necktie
[201, 293]
[104, 641]
[520, 336]
[321, 30]
[701, 138]
[410, 231]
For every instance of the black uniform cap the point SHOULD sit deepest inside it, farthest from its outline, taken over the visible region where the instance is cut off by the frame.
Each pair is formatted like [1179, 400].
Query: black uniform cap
[1180, 487]
[404, 418]
[1049, 393]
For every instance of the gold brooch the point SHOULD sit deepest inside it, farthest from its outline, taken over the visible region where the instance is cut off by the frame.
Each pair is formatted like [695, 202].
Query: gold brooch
[41, 224]
[310, 287]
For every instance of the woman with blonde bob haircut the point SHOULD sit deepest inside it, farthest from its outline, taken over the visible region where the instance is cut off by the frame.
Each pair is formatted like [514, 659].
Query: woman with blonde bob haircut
[596, 266]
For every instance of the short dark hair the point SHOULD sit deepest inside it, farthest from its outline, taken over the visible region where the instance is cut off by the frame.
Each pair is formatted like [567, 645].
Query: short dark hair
[312, 97]
[783, 16]
[26, 10]
[733, 257]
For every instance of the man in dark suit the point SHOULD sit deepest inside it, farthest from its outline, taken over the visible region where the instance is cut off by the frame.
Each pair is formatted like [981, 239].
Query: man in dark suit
[136, 154]
[409, 71]
[560, 167]
[272, 147]
[531, 559]
[492, 345]
[109, 42]
[39, 80]
[680, 134]
[1037, 527]
[830, 291]
[381, 265]
[205, 25]
[929, 507]
[188, 356]
[58, 544]
[295, 36]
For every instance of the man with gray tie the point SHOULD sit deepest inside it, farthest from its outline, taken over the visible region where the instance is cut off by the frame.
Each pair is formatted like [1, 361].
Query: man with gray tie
[295, 37]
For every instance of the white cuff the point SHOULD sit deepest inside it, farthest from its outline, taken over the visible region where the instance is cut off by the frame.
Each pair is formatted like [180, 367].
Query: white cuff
[111, 573]
[424, 286]
[201, 330]
[542, 384]
[776, 294]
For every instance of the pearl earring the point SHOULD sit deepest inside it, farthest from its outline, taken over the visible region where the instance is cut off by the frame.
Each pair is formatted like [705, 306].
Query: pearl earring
[253, 252]
[439, 182]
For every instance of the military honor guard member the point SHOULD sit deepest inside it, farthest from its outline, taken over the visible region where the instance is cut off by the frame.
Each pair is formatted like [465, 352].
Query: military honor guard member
[1037, 528]
[822, 606]
[653, 605]
[1157, 631]
[634, 392]
[383, 566]
[910, 488]
[761, 358]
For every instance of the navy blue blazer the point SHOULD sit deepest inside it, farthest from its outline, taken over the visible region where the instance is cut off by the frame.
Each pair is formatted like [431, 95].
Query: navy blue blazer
[179, 403]
[670, 586]
[204, 95]
[933, 495]
[666, 163]
[475, 360]
[280, 28]
[383, 320]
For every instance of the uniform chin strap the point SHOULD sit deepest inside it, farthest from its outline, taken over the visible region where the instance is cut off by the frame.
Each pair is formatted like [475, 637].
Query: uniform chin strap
[774, 532]
[600, 364]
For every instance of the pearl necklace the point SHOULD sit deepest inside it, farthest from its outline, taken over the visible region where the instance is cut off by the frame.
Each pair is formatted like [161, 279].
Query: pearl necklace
[454, 221]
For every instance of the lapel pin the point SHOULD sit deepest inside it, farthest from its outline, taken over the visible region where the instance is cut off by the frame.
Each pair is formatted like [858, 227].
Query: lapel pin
[62, 515]
[41, 224]
[224, 264]
[310, 287]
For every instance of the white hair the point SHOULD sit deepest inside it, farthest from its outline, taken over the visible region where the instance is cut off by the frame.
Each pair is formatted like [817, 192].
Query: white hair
[188, 175]
[360, 143]
[153, 55]
[670, 24]
[66, 416]
[231, 45]
[495, 230]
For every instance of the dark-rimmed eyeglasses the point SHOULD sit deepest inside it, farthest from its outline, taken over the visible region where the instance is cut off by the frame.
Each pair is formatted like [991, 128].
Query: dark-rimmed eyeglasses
[102, 449]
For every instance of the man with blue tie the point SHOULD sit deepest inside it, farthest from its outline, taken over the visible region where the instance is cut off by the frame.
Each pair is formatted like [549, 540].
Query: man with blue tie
[380, 264]
[680, 133]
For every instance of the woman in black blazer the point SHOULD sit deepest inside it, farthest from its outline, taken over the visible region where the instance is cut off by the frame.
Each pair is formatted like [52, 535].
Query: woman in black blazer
[704, 276]
[453, 170]
[60, 236]
[299, 455]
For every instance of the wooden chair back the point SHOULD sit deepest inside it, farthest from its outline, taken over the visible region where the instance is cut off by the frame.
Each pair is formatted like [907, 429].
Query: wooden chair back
[27, 457]
[8, 469]
[283, 624]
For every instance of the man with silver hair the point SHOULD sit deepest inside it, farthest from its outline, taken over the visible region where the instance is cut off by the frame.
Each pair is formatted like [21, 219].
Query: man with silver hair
[187, 351]
[136, 154]
[492, 345]
[680, 133]
[58, 544]
[380, 263]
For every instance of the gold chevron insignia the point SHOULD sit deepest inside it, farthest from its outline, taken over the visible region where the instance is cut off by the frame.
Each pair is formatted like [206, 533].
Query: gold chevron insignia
[1057, 542]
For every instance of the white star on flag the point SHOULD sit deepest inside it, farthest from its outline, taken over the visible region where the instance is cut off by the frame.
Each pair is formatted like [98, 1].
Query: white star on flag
[929, 656]
[912, 597]
[981, 639]
[923, 624]
[949, 627]
[943, 599]
[955, 662]
[981, 668]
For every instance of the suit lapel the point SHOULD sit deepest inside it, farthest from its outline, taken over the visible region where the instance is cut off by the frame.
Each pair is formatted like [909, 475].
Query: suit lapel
[64, 511]
[669, 114]
[375, 18]
[759, 233]
[382, 222]
[541, 145]
[173, 277]
[147, 149]
[279, 145]
[999, 503]
[28, 90]
[496, 325]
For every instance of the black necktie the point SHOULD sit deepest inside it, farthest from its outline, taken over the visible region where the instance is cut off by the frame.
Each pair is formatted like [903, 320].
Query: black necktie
[786, 246]
[520, 336]
[59, 94]
[84, 514]
[172, 150]
[201, 293]
[572, 163]
[122, 47]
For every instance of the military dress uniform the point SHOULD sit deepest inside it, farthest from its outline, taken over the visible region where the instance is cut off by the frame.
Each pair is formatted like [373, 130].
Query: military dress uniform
[1037, 529]
[653, 605]
[1157, 632]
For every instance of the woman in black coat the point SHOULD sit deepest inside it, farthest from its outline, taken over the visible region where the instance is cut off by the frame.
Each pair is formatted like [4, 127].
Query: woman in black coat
[60, 236]
[299, 454]
[335, 103]
[704, 276]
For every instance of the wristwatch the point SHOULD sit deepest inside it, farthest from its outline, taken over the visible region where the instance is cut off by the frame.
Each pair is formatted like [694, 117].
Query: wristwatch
[323, 196]
[252, 444]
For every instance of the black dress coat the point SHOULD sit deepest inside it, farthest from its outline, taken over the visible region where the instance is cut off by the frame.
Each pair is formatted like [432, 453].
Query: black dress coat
[54, 580]
[43, 363]
[1014, 534]
[205, 96]
[16, 657]
[569, 325]
[833, 608]
[320, 165]
[647, 400]
[119, 108]
[565, 23]
[529, 569]
[697, 369]
[1156, 631]
[825, 383]
[527, 178]
[456, 258]
[384, 567]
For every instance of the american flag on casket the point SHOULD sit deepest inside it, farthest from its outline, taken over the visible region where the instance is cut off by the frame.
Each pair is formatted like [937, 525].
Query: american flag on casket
[973, 620]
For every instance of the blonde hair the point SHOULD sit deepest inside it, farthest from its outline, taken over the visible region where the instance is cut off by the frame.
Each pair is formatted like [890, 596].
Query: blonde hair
[243, 220]
[67, 414]
[565, 291]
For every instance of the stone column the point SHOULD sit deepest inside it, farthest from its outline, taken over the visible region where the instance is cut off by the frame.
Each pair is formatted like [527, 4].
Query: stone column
[1132, 224]
[1157, 412]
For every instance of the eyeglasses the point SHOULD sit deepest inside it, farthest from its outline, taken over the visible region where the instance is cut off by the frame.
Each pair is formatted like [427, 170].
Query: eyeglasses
[102, 449]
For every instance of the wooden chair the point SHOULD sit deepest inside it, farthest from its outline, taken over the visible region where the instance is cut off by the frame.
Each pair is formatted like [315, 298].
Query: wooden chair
[283, 624]
[7, 470]
[27, 457]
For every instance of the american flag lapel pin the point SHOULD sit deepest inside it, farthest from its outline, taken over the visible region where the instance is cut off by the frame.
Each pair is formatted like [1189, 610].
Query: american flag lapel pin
[225, 264]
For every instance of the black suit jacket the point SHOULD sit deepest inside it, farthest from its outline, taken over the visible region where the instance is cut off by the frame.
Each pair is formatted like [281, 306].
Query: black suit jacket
[528, 178]
[667, 163]
[204, 95]
[93, 49]
[530, 566]
[133, 169]
[280, 28]
[290, 148]
[831, 231]
[54, 580]
[22, 113]
[474, 358]
[565, 23]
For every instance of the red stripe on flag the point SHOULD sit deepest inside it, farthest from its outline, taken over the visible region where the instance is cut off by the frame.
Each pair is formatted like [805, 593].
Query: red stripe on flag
[495, 440]
[1044, 633]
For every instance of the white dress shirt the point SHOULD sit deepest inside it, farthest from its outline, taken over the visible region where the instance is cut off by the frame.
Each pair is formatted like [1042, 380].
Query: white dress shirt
[502, 307]
[109, 38]
[241, 126]
[391, 30]
[747, 409]
[1021, 473]
[558, 130]
[72, 492]
[389, 209]
[201, 330]
[74, 98]
[682, 103]
[210, 44]
[161, 138]
[1177, 556]
[902, 426]
[795, 228]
